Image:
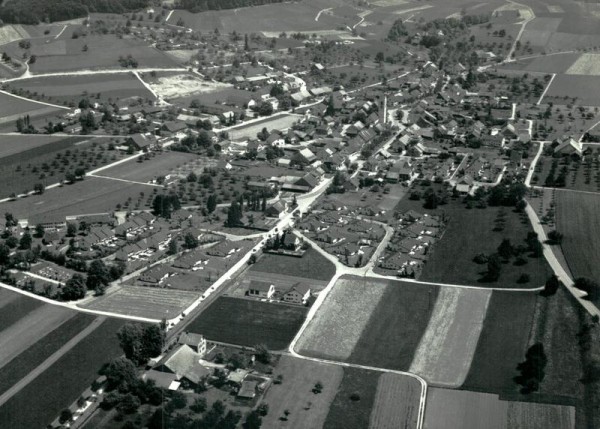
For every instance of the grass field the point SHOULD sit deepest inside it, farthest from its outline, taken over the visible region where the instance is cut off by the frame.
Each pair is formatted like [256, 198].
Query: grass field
[58, 90]
[312, 265]
[12, 145]
[586, 64]
[581, 176]
[584, 89]
[279, 122]
[447, 347]
[307, 409]
[14, 306]
[33, 356]
[370, 322]
[11, 106]
[103, 52]
[38, 403]
[471, 410]
[577, 219]
[153, 303]
[161, 164]
[348, 413]
[502, 343]
[396, 402]
[248, 322]
[92, 195]
[471, 232]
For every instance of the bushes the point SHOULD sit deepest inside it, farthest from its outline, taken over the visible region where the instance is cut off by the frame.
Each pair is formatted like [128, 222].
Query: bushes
[532, 369]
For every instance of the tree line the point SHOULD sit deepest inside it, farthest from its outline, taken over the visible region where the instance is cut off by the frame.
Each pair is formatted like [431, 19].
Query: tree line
[37, 11]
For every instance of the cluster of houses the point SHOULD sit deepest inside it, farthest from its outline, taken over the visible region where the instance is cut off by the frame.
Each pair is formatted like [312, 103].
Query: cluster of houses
[298, 293]
[414, 234]
[338, 231]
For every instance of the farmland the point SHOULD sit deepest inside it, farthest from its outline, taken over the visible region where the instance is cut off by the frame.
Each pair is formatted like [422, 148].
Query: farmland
[153, 303]
[102, 52]
[580, 175]
[583, 89]
[11, 107]
[370, 322]
[354, 401]
[577, 219]
[446, 350]
[102, 87]
[471, 410]
[248, 322]
[307, 409]
[161, 164]
[63, 381]
[396, 402]
[12, 145]
[312, 265]
[279, 122]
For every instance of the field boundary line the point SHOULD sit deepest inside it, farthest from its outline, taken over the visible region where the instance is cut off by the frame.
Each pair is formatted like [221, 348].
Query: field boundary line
[61, 32]
[51, 360]
[546, 90]
[125, 180]
[521, 31]
[577, 191]
[146, 85]
[95, 72]
[34, 101]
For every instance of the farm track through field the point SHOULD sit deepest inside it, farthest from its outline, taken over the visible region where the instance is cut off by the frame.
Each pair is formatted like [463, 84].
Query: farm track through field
[50, 361]
[94, 72]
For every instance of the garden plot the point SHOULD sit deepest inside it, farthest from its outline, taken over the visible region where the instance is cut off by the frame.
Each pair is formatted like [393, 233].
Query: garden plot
[147, 302]
[339, 323]
[471, 410]
[447, 348]
[396, 402]
[182, 85]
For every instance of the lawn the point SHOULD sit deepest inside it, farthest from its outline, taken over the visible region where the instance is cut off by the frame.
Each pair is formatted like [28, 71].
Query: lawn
[447, 347]
[577, 219]
[312, 265]
[58, 90]
[502, 343]
[353, 413]
[470, 232]
[38, 403]
[153, 303]
[307, 409]
[396, 402]
[248, 322]
[29, 359]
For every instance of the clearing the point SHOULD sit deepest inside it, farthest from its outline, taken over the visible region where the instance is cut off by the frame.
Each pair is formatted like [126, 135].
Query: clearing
[152, 303]
[446, 350]
[396, 402]
[248, 322]
[183, 85]
[277, 122]
[471, 410]
[307, 409]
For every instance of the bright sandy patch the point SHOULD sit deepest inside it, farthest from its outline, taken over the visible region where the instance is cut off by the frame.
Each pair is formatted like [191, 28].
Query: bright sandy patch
[586, 64]
[386, 3]
[446, 349]
[338, 325]
[10, 33]
[414, 9]
[182, 85]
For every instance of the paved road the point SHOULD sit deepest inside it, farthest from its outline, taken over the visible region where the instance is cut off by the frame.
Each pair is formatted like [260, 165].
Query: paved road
[50, 361]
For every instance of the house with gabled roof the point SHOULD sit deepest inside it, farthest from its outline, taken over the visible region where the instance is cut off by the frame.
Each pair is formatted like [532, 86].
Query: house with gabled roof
[297, 294]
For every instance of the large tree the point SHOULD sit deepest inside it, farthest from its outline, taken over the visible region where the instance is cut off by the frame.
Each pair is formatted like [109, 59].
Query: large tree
[98, 276]
[74, 288]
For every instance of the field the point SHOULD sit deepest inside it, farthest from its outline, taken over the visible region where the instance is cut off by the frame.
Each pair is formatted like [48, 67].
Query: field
[348, 413]
[248, 322]
[176, 86]
[15, 144]
[307, 409]
[577, 219]
[103, 52]
[161, 164]
[583, 89]
[446, 349]
[396, 402]
[581, 175]
[471, 410]
[279, 122]
[312, 265]
[498, 353]
[559, 63]
[586, 64]
[58, 89]
[92, 195]
[11, 108]
[370, 322]
[471, 232]
[153, 303]
[62, 383]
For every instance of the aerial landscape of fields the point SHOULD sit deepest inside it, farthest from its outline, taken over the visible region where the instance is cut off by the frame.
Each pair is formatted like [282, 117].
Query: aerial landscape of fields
[244, 214]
